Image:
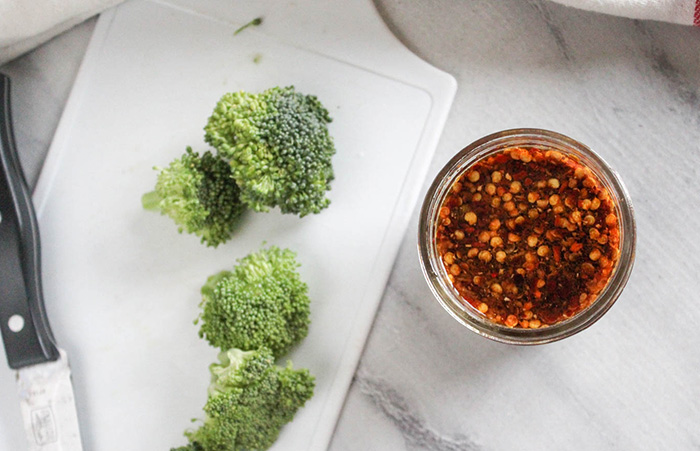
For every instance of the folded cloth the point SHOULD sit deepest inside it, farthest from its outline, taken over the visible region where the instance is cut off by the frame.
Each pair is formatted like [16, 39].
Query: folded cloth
[24, 24]
[685, 12]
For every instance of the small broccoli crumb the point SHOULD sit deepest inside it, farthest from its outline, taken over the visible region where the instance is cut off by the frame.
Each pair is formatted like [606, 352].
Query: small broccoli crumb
[250, 399]
[261, 302]
[200, 195]
[279, 148]
[253, 23]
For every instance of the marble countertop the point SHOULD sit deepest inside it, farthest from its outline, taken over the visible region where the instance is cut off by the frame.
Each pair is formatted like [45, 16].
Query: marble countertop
[630, 90]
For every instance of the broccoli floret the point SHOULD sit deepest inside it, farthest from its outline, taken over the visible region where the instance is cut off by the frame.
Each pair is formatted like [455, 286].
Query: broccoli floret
[250, 399]
[261, 302]
[200, 195]
[279, 148]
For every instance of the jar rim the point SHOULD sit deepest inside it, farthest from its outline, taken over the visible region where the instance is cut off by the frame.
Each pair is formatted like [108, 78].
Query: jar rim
[435, 273]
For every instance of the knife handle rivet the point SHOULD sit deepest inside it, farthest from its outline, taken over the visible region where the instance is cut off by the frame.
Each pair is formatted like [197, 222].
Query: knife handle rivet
[16, 323]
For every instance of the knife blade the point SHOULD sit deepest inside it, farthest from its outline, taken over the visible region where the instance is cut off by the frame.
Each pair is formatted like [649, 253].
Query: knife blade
[44, 380]
[48, 406]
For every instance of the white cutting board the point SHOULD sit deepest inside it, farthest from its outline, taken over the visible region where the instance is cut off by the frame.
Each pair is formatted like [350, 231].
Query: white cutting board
[122, 286]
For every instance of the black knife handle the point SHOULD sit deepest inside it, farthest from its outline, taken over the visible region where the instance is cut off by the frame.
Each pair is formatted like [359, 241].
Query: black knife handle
[21, 296]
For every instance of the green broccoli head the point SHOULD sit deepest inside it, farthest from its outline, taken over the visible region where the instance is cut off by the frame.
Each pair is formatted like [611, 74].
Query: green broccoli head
[278, 146]
[200, 195]
[261, 302]
[250, 400]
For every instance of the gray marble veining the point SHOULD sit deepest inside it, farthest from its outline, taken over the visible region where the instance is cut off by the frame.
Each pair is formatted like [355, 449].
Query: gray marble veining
[416, 433]
[629, 89]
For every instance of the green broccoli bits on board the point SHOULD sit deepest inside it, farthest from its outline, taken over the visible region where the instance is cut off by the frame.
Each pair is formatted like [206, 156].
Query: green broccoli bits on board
[273, 150]
[249, 400]
[254, 313]
[279, 148]
[198, 193]
[261, 302]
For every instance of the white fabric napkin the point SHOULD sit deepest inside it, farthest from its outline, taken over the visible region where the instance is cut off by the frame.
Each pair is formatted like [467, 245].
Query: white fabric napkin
[24, 24]
[686, 12]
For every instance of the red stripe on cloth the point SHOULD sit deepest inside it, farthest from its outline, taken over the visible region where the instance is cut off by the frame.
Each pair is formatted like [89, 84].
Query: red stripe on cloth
[696, 19]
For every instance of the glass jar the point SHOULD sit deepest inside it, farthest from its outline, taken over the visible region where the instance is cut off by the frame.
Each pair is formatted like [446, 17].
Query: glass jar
[437, 275]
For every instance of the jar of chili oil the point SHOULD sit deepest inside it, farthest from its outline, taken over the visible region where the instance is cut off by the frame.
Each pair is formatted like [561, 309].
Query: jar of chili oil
[527, 236]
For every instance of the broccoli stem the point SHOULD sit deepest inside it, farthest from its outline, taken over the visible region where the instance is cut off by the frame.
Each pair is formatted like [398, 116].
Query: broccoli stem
[151, 201]
[253, 23]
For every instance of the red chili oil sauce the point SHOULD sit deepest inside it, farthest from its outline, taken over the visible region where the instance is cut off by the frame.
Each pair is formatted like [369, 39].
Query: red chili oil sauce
[528, 236]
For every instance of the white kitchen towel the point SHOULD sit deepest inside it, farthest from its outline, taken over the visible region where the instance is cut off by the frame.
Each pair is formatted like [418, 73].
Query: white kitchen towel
[24, 24]
[686, 12]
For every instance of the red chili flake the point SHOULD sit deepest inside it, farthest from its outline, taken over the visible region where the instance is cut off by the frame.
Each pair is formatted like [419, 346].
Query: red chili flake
[557, 253]
[502, 158]
[519, 175]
